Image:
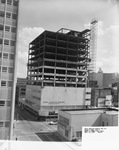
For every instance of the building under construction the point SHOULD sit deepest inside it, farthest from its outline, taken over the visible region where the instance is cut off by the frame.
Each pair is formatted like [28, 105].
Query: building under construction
[59, 58]
[57, 71]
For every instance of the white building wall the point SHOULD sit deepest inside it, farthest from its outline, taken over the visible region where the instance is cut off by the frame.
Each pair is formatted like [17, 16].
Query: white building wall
[53, 98]
[8, 52]
[63, 127]
[91, 119]
[77, 121]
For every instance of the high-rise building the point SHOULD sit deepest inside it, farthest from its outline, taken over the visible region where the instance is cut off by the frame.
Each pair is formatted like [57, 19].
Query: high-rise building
[8, 55]
[93, 48]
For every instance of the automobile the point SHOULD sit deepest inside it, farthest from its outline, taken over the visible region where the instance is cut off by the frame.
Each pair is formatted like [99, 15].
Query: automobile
[53, 123]
[74, 139]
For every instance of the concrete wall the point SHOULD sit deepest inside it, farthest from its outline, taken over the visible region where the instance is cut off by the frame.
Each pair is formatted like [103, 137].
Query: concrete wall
[109, 120]
[33, 96]
[54, 96]
[90, 119]
[63, 127]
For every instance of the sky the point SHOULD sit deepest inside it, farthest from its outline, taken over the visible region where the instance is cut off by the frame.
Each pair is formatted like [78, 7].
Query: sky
[35, 16]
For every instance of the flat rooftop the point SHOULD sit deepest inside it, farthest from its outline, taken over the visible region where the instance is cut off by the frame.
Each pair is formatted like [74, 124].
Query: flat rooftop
[109, 111]
[84, 112]
[112, 112]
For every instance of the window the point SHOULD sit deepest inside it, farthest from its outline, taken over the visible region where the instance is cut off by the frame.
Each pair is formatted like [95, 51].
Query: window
[5, 55]
[2, 13]
[8, 15]
[11, 56]
[10, 70]
[1, 27]
[8, 103]
[66, 133]
[12, 43]
[7, 124]
[103, 124]
[10, 83]
[6, 42]
[1, 124]
[1, 41]
[0, 55]
[7, 28]
[4, 69]
[3, 1]
[3, 83]
[2, 103]
[13, 29]
[9, 2]
[15, 2]
[14, 16]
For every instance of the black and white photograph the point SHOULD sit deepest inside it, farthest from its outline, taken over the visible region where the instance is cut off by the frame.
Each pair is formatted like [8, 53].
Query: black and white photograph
[59, 74]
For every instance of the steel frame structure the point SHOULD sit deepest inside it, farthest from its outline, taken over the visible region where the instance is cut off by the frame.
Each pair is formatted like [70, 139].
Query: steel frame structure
[59, 58]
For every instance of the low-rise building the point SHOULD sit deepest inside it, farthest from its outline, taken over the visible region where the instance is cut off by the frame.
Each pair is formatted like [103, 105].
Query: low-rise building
[101, 97]
[103, 79]
[70, 122]
[46, 102]
[115, 93]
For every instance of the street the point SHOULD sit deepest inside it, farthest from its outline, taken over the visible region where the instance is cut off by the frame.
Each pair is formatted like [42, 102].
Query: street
[27, 128]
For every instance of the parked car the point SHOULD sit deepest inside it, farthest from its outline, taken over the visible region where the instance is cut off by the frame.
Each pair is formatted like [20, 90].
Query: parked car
[53, 123]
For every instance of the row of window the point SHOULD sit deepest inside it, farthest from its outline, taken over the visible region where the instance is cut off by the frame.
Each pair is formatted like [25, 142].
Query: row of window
[4, 124]
[7, 56]
[8, 15]
[5, 103]
[7, 28]
[6, 69]
[7, 42]
[6, 83]
[10, 2]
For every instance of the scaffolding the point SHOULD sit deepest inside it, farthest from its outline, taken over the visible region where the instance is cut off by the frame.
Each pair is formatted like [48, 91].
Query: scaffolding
[59, 58]
[93, 48]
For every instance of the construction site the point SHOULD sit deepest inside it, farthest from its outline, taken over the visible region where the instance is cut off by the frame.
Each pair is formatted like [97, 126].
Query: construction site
[59, 58]
[57, 72]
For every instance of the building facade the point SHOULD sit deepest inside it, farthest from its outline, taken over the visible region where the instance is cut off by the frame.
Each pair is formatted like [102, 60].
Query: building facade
[103, 79]
[8, 38]
[101, 96]
[57, 71]
[70, 122]
[20, 89]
